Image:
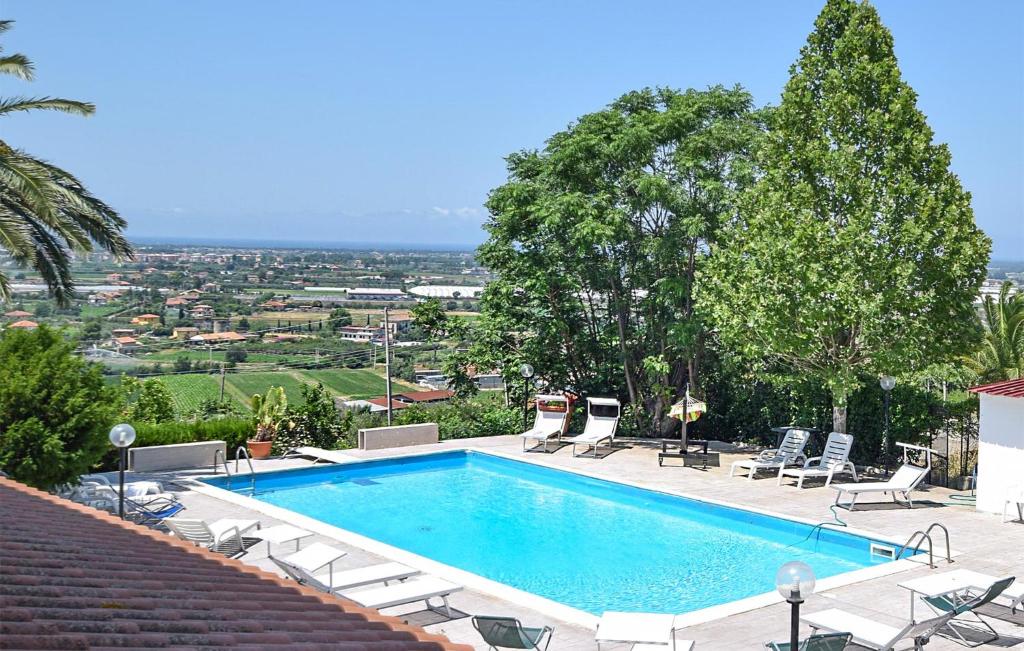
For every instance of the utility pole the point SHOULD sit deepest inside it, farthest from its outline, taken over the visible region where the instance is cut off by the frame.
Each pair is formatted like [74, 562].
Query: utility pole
[387, 361]
[222, 373]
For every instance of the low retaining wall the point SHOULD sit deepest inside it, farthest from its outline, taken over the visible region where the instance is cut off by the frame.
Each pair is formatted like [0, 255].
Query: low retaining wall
[378, 438]
[175, 457]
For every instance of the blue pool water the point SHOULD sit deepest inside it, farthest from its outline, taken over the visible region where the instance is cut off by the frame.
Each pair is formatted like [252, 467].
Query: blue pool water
[590, 544]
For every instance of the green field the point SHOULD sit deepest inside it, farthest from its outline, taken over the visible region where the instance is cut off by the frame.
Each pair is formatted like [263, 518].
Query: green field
[218, 356]
[188, 391]
[353, 383]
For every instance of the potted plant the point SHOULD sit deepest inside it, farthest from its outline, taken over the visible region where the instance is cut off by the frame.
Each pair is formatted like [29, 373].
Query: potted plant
[267, 413]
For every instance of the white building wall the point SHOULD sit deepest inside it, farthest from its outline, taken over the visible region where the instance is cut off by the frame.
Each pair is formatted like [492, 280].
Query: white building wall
[1000, 450]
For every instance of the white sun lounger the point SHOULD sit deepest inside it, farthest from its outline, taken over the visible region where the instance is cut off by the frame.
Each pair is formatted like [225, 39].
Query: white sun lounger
[421, 588]
[905, 480]
[835, 459]
[790, 452]
[226, 536]
[644, 631]
[599, 429]
[874, 634]
[346, 579]
[547, 424]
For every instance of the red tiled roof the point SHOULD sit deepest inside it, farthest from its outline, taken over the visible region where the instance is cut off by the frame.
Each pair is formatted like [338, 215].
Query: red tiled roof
[426, 396]
[24, 324]
[1011, 388]
[382, 401]
[72, 577]
[17, 314]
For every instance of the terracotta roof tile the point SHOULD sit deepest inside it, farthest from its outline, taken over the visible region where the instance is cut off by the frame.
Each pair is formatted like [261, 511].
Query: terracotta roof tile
[72, 577]
[1009, 388]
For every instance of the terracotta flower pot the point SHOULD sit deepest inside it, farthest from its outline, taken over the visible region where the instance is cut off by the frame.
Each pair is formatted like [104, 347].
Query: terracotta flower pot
[259, 449]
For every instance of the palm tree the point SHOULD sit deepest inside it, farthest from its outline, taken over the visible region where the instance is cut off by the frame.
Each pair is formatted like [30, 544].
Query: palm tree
[45, 212]
[1001, 355]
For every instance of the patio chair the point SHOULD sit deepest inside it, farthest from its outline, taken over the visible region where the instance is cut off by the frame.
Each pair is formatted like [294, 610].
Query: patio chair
[552, 417]
[153, 511]
[131, 488]
[644, 631]
[882, 637]
[820, 642]
[790, 452]
[835, 459]
[420, 588]
[944, 604]
[600, 428]
[303, 571]
[224, 536]
[903, 481]
[509, 633]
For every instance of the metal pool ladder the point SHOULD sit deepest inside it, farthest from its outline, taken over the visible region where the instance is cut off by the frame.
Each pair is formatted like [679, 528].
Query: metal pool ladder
[921, 537]
[239, 453]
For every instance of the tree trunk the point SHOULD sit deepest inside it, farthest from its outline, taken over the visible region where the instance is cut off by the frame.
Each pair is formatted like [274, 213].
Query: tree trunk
[839, 413]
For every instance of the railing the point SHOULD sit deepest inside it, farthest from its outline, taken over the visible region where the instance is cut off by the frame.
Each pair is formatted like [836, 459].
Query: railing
[921, 537]
[243, 452]
[223, 459]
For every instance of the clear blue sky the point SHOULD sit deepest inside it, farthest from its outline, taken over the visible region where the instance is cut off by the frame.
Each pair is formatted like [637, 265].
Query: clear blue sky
[389, 121]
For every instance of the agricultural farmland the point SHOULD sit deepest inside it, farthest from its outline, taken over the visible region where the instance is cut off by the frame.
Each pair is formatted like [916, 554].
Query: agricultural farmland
[189, 391]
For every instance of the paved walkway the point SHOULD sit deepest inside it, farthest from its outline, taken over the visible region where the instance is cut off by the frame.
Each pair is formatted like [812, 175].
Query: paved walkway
[982, 542]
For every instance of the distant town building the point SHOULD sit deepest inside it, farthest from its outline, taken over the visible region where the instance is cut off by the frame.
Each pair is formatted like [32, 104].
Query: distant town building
[146, 319]
[218, 338]
[125, 344]
[202, 311]
[375, 294]
[184, 333]
[360, 334]
[24, 325]
[17, 314]
[447, 291]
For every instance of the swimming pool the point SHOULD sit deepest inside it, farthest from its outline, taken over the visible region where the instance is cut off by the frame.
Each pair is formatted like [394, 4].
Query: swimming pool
[587, 543]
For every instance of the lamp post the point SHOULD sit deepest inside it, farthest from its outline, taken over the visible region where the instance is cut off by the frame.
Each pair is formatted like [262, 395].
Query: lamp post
[887, 382]
[122, 436]
[527, 372]
[795, 582]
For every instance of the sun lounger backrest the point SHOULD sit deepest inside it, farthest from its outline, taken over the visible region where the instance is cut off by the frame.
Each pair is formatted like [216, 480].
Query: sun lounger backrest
[908, 475]
[550, 419]
[194, 531]
[300, 575]
[837, 450]
[600, 426]
[793, 443]
[993, 591]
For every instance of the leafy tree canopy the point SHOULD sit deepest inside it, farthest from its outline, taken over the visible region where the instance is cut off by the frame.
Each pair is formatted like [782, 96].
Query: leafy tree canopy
[55, 411]
[856, 251]
[596, 240]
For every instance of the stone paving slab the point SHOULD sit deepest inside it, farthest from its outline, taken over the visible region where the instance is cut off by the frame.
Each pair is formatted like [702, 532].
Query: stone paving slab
[982, 541]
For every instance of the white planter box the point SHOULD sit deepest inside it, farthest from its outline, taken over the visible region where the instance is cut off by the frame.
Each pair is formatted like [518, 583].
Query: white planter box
[379, 438]
[175, 457]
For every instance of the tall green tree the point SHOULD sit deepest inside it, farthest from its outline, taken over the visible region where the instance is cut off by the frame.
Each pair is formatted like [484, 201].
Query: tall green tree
[596, 241]
[1001, 353]
[45, 212]
[55, 410]
[856, 251]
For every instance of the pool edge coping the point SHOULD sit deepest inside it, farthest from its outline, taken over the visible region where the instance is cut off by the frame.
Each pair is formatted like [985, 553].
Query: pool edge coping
[526, 599]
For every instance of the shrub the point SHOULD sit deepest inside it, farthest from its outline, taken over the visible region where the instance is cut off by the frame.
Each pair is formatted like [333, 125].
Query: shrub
[55, 410]
[314, 423]
[233, 431]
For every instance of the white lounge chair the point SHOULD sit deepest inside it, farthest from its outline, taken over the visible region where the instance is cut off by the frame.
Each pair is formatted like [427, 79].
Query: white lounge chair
[599, 428]
[335, 581]
[790, 452]
[226, 536]
[553, 413]
[835, 459]
[644, 631]
[903, 481]
[421, 588]
[882, 637]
